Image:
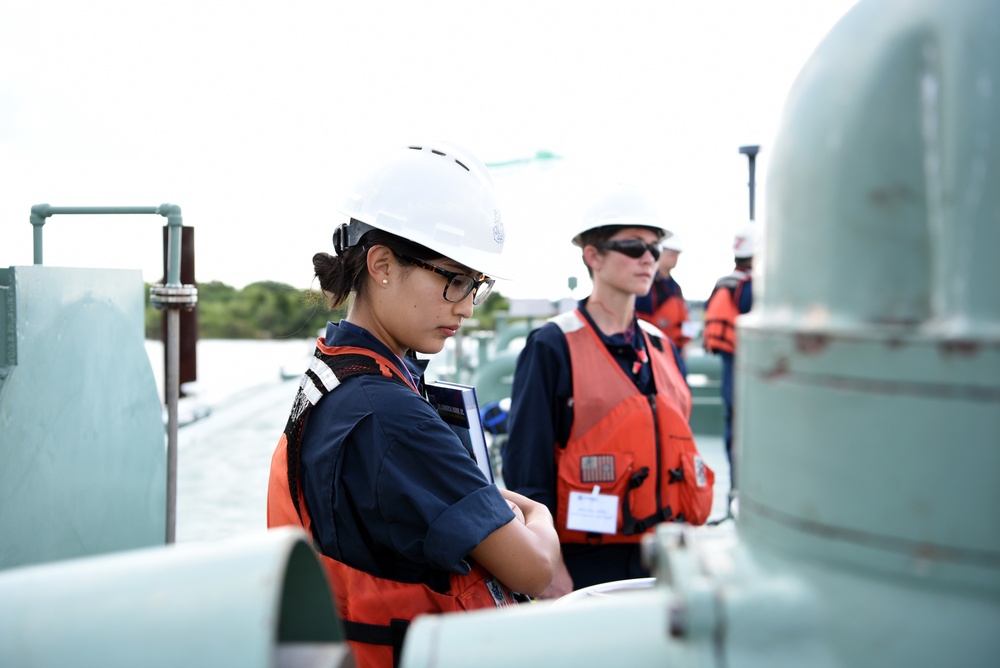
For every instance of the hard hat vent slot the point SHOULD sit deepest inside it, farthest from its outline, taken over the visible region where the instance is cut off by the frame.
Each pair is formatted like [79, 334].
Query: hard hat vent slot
[442, 153]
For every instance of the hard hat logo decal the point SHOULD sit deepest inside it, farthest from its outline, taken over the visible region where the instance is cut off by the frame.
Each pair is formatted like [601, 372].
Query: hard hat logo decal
[498, 231]
[743, 243]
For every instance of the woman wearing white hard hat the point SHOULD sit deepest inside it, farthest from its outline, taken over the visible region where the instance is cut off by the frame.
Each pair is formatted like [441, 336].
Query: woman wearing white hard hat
[598, 426]
[404, 519]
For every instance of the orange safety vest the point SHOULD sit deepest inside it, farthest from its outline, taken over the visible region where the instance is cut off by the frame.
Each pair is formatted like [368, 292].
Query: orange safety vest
[375, 611]
[721, 312]
[669, 316]
[636, 447]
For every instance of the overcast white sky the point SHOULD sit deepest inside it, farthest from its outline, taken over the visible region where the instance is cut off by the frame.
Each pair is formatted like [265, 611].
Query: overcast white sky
[251, 116]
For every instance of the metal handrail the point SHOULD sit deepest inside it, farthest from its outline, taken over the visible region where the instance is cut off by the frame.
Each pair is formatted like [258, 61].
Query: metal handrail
[173, 296]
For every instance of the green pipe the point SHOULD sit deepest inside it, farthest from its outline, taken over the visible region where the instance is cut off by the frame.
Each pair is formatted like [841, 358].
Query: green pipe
[172, 212]
[235, 602]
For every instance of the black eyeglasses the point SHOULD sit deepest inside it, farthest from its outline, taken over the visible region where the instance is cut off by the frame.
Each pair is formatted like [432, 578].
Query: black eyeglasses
[633, 248]
[459, 285]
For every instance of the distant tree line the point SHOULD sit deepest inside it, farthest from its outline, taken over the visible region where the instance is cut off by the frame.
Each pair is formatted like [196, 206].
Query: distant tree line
[272, 310]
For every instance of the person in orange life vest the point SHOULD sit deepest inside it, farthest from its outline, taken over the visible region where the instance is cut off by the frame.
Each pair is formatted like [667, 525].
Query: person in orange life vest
[598, 425]
[403, 518]
[731, 297]
[664, 304]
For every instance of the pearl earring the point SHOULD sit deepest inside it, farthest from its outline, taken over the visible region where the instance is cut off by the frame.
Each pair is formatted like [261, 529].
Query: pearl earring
[385, 281]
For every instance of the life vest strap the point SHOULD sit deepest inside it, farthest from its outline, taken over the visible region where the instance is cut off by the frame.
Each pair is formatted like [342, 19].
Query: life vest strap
[316, 384]
[631, 525]
[391, 635]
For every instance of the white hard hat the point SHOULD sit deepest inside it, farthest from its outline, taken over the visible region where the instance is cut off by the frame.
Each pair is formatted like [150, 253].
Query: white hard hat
[672, 243]
[437, 195]
[744, 242]
[624, 205]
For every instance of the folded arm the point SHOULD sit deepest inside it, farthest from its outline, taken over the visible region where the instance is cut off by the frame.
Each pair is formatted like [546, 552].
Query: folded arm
[522, 555]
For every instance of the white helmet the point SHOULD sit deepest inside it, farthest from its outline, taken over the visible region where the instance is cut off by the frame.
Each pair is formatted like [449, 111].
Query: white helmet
[439, 196]
[672, 243]
[743, 242]
[624, 205]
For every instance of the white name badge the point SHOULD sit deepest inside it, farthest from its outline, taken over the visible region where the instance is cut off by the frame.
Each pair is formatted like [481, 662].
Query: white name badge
[592, 512]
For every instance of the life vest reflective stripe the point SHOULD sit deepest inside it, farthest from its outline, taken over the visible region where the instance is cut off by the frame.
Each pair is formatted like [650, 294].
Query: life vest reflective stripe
[721, 312]
[375, 611]
[638, 448]
[669, 316]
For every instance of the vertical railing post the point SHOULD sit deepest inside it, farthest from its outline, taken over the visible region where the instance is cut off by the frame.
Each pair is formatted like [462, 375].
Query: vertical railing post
[173, 296]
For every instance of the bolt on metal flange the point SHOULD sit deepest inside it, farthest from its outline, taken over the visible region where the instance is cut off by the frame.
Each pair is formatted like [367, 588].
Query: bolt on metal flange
[173, 296]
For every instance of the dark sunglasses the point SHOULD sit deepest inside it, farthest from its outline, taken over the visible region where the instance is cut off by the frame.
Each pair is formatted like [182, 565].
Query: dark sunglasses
[459, 285]
[634, 248]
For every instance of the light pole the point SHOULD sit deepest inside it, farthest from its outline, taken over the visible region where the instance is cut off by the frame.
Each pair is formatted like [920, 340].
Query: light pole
[751, 153]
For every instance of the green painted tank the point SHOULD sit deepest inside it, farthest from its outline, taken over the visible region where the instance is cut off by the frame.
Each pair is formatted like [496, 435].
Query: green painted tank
[80, 420]
[868, 387]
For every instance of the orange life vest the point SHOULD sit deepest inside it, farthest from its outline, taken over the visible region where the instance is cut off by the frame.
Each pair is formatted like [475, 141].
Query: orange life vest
[721, 312]
[669, 316]
[375, 611]
[636, 447]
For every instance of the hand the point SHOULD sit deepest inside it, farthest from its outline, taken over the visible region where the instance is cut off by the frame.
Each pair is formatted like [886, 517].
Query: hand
[517, 510]
[522, 554]
[531, 511]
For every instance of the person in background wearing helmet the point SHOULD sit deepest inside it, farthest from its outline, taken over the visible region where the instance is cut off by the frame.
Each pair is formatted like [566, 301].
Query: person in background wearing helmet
[598, 425]
[405, 521]
[731, 297]
[664, 304]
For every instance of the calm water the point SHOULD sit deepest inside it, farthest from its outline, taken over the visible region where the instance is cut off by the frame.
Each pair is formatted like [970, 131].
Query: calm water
[223, 459]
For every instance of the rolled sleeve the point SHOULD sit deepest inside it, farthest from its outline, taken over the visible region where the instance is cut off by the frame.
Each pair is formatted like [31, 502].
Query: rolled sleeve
[459, 529]
[435, 503]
